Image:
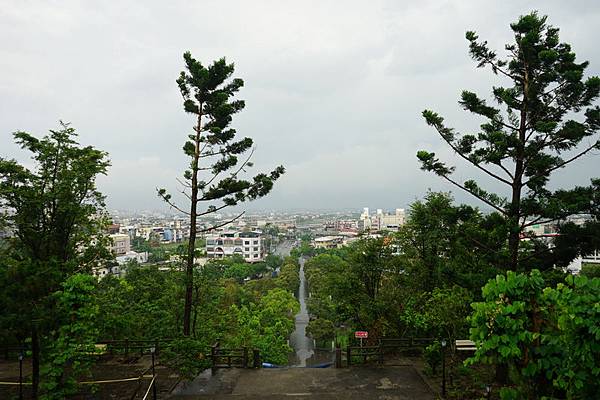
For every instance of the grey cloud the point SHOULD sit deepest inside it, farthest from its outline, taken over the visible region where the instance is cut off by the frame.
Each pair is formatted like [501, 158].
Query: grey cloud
[334, 90]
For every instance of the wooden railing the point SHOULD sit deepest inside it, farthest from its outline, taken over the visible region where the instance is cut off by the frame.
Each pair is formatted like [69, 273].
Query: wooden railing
[228, 358]
[364, 354]
[134, 346]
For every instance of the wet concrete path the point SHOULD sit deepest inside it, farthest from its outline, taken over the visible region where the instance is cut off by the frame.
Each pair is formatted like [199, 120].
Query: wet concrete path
[364, 383]
[302, 345]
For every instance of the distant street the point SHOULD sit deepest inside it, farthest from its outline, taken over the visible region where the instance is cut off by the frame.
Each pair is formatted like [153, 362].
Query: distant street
[283, 249]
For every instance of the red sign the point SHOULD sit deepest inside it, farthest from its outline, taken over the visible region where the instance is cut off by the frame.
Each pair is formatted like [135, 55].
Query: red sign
[361, 334]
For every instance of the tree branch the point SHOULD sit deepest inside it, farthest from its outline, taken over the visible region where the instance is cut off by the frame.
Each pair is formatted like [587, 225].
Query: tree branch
[212, 211]
[489, 203]
[222, 224]
[493, 175]
[562, 164]
[505, 170]
[232, 175]
[182, 183]
[171, 204]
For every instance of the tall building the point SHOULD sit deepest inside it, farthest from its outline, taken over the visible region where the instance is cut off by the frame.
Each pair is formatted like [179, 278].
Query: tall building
[249, 245]
[381, 221]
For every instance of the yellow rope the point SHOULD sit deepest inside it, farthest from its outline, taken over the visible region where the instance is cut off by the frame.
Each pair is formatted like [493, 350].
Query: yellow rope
[15, 383]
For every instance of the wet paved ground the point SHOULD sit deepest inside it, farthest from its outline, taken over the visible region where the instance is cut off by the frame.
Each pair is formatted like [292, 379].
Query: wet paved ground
[302, 345]
[389, 383]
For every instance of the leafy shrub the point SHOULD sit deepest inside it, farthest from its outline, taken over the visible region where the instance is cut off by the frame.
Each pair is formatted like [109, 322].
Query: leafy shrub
[187, 356]
[433, 356]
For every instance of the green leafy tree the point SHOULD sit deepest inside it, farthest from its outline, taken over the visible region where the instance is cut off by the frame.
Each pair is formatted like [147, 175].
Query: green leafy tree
[447, 311]
[548, 337]
[55, 211]
[538, 132]
[145, 304]
[443, 244]
[288, 277]
[266, 325]
[321, 329]
[71, 348]
[273, 261]
[207, 93]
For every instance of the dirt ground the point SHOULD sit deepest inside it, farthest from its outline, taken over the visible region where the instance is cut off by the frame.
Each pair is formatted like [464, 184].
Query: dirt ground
[108, 368]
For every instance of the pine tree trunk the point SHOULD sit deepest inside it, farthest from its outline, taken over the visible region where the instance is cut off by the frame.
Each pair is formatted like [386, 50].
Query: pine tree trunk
[35, 362]
[514, 217]
[189, 272]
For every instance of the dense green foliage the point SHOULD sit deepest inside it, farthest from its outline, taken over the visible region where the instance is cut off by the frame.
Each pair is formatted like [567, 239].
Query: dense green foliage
[549, 337]
[56, 213]
[70, 350]
[404, 283]
[146, 304]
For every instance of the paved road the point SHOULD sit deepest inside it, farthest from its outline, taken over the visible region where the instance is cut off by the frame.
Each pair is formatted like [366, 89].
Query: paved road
[367, 383]
[302, 345]
[283, 249]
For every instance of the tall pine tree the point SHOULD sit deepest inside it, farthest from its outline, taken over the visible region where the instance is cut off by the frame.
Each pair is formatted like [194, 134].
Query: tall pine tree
[544, 121]
[213, 177]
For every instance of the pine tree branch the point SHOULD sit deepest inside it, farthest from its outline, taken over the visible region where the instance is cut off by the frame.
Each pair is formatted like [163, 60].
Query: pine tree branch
[183, 192]
[235, 174]
[486, 201]
[537, 253]
[495, 67]
[505, 170]
[223, 224]
[507, 126]
[182, 183]
[493, 175]
[171, 204]
[210, 211]
[562, 164]
[541, 221]
[214, 153]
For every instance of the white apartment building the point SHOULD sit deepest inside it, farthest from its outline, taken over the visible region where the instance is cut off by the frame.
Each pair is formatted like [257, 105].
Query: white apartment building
[140, 258]
[249, 245]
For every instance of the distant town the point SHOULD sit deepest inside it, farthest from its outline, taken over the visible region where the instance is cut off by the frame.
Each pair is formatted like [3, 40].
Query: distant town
[153, 237]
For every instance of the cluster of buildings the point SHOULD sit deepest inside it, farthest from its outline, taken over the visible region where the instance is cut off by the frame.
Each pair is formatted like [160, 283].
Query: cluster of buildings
[342, 231]
[380, 221]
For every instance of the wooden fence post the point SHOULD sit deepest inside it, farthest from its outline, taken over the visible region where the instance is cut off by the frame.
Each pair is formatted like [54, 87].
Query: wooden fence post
[126, 348]
[338, 356]
[213, 357]
[245, 359]
[349, 355]
[256, 357]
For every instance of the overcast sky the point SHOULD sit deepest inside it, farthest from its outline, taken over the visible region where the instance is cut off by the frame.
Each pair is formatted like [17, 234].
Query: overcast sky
[334, 90]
